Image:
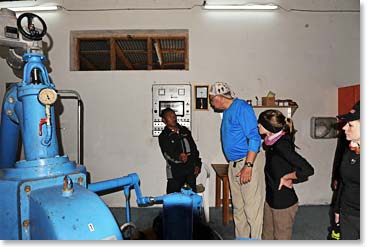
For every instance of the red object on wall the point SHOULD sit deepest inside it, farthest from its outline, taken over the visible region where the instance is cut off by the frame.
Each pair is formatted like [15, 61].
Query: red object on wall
[347, 97]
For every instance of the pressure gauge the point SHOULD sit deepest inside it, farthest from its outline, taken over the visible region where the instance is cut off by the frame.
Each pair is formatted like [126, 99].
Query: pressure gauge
[47, 96]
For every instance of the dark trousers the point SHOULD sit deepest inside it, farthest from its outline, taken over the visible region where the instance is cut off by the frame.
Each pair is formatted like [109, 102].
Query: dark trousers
[175, 184]
[349, 227]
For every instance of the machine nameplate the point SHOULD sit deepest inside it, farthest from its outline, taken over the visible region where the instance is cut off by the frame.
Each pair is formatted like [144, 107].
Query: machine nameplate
[11, 32]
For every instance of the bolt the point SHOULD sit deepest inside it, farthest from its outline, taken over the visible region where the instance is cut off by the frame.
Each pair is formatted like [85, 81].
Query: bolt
[26, 223]
[11, 100]
[9, 112]
[27, 188]
[80, 180]
[68, 184]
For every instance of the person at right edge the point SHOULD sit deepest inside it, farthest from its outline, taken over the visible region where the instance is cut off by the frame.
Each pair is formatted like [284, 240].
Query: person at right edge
[283, 167]
[348, 195]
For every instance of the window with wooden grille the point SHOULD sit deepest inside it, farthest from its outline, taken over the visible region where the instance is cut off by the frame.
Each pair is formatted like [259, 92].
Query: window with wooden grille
[129, 50]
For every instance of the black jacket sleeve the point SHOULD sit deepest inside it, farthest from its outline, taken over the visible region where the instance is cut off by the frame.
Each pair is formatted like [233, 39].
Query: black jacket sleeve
[195, 155]
[300, 165]
[337, 198]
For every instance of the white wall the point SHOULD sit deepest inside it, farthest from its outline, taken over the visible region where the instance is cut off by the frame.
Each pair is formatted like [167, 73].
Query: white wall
[304, 56]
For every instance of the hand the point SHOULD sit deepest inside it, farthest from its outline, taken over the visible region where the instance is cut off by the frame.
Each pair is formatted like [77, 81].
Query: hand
[334, 184]
[197, 171]
[245, 174]
[183, 157]
[337, 217]
[285, 182]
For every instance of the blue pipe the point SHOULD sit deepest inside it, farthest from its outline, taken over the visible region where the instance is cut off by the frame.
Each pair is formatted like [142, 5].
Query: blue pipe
[36, 146]
[127, 196]
[126, 182]
[130, 179]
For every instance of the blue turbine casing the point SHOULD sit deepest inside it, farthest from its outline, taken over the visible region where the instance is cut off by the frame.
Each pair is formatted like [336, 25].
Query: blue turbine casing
[9, 210]
[80, 216]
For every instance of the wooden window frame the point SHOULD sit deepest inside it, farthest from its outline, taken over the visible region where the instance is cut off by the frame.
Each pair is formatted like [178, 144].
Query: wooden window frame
[112, 35]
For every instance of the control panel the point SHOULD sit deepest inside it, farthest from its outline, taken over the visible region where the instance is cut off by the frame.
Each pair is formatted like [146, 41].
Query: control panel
[175, 96]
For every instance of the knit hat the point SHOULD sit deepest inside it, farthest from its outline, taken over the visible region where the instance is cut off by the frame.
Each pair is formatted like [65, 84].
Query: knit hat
[221, 88]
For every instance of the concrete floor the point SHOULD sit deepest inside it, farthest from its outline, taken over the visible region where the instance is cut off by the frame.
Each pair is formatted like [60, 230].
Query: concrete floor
[311, 222]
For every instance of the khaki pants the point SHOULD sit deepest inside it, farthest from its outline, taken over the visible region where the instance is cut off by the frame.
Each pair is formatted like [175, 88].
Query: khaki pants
[247, 200]
[278, 223]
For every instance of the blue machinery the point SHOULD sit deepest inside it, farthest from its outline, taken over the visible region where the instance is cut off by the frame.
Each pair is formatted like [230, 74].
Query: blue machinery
[46, 196]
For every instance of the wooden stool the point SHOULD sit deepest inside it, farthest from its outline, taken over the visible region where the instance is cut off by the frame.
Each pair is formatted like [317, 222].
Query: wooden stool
[221, 171]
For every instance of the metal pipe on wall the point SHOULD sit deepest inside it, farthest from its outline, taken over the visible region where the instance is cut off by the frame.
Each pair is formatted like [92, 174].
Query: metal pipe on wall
[80, 130]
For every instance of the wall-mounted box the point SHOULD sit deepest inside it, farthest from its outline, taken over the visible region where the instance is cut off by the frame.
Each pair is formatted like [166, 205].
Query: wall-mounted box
[201, 95]
[324, 127]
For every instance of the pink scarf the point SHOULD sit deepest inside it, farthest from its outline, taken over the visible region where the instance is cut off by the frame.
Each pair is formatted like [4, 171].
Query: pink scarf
[270, 140]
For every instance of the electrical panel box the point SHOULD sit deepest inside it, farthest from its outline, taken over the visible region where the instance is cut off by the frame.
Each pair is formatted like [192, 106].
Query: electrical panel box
[324, 127]
[175, 96]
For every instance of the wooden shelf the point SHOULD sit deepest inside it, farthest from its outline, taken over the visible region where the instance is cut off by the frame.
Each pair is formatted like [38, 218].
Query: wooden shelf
[288, 111]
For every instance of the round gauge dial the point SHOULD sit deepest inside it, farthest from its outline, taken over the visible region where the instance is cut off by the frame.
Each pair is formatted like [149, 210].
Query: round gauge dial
[47, 96]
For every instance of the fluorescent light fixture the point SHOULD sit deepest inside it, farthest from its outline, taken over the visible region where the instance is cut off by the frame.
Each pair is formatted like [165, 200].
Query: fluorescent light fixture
[34, 8]
[242, 7]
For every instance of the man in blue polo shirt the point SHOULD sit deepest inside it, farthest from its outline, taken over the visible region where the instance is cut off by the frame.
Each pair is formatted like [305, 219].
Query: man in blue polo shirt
[241, 142]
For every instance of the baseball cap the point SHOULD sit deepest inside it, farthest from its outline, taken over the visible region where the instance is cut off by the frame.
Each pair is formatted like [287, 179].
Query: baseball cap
[352, 114]
[221, 88]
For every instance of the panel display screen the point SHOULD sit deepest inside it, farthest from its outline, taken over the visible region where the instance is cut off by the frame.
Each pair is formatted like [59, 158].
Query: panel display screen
[177, 106]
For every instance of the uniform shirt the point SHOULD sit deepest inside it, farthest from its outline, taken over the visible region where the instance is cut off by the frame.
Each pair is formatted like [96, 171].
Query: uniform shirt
[239, 130]
[281, 159]
[348, 200]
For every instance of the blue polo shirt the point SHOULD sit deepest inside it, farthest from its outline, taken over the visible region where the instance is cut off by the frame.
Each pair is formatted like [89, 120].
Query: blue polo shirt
[239, 130]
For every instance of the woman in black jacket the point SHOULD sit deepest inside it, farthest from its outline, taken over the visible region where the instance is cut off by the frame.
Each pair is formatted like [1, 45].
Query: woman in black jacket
[283, 167]
[347, 205]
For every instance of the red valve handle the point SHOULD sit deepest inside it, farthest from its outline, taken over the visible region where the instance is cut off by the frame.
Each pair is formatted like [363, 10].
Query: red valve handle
[42, 121]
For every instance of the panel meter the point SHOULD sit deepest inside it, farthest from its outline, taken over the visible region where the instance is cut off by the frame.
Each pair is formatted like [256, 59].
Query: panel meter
[175, 96]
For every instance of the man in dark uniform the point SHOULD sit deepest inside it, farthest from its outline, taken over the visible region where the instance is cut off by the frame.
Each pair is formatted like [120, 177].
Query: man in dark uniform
[183, 163]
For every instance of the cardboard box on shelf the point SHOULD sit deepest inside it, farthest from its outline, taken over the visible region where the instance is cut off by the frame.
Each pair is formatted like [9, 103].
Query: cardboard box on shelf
[268, 101]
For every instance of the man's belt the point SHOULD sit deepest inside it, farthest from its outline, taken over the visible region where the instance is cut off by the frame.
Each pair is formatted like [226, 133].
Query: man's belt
[238, 161]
